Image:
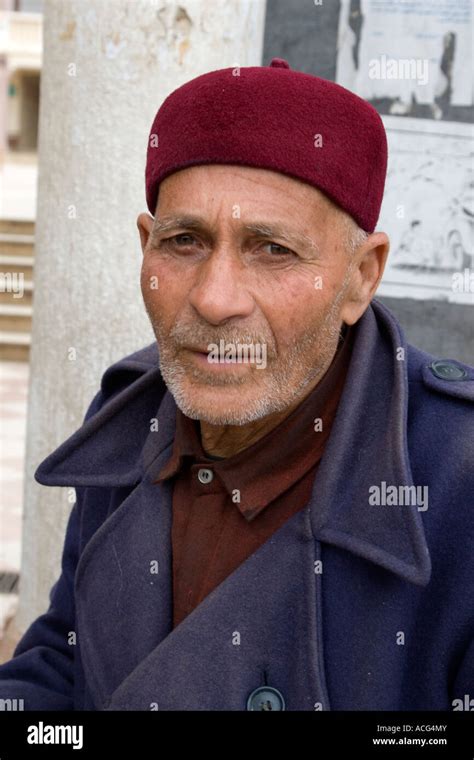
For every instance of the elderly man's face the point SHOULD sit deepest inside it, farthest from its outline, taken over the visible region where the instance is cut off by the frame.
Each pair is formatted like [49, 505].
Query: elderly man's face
[245, 257]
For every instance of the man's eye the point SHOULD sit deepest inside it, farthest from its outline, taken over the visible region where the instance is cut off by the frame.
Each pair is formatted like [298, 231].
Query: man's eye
[178, 240]
[184, 240]
[281, 250]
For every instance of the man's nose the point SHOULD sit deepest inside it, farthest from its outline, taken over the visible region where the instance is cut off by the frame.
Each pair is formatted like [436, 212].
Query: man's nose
[220, 291]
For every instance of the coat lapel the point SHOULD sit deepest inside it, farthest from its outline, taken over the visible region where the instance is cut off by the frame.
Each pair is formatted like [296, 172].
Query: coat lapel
[123, 589]
[368, 446]
[261, 625]
[254, 629]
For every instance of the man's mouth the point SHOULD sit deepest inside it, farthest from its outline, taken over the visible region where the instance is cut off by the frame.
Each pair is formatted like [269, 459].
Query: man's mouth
[197, 349]
[216, 364]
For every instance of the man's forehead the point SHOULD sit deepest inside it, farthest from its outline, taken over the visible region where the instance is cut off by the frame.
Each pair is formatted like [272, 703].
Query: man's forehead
[275, 216]
[267, 183]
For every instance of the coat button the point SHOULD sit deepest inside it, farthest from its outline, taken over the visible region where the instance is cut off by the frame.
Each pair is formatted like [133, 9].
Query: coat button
[205, 475]
[447, 370]
[265, 698]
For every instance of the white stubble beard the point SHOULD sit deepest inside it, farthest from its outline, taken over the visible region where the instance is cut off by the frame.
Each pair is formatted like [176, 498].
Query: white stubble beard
[276, 390]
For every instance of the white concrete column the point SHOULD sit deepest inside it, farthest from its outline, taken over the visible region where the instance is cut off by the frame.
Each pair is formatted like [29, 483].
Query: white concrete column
[108, 65]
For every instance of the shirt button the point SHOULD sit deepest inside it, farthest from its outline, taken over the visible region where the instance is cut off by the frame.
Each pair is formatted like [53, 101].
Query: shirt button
[266, 698]
[205, 475]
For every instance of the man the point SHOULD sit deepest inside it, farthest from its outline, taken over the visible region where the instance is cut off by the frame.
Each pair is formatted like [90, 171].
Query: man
[274, 501]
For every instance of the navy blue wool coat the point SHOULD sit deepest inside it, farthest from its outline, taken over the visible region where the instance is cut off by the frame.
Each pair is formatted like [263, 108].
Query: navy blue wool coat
[350, 605]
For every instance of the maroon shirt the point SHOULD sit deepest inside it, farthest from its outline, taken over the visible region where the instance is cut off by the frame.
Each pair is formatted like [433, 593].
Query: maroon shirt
[212, 531]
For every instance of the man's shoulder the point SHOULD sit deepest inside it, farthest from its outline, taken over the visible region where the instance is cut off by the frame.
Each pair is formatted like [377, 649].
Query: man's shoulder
[144, 358]
[440, 431]
[122, 373]
[440, 418]
[438, 377]
[130, 367]
[430, 377]
[131, 391]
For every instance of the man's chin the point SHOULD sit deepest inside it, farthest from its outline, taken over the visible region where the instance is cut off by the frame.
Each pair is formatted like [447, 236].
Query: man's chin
[211, 418]
[217, 405]
[220, 405]
[230, 399]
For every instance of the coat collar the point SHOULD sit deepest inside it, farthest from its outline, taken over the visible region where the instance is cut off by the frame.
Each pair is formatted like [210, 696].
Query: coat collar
[121, 444]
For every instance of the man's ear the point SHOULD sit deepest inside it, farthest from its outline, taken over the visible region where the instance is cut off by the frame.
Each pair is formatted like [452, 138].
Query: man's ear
[145, 226]
[368, 268]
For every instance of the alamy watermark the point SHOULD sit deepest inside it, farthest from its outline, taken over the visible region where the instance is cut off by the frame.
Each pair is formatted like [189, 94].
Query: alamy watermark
[239, 353]
[12, 705]
[399, 496]
[42, 733]
[416, 69]
[12, 282]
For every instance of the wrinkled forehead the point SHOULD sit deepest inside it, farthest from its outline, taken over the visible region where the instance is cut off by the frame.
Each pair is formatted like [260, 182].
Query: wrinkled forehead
[242, 189]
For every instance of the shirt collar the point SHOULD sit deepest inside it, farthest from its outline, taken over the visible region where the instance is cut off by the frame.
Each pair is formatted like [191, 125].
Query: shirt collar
[267, 468]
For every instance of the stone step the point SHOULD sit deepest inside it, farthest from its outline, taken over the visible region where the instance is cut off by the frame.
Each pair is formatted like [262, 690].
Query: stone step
[17, 265]
[15, 318]
[17, 226]
[10, 289]
[21, 245]
[14, 346]
[16, 237]
[17, 241]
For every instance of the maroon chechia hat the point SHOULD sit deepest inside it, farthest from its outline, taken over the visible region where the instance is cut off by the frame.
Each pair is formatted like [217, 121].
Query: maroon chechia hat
[272, 117]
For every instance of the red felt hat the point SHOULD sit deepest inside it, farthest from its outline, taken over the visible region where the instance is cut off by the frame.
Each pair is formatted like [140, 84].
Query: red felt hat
[272, 117]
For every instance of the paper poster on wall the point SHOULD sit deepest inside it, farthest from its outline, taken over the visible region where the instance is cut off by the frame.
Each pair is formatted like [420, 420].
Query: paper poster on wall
[409, 58]
[427, 210]
[413, 61]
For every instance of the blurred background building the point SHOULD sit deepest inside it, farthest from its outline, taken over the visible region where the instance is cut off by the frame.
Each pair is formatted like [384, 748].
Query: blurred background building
[79, 85]
[21, 51]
